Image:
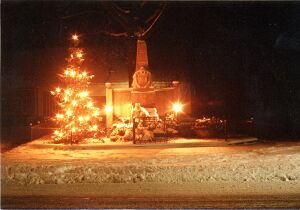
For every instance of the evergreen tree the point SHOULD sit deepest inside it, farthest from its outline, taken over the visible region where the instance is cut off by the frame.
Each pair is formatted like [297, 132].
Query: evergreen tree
[77, 117]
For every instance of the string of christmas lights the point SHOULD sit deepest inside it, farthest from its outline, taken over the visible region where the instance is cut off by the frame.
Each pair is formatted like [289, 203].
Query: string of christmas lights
[77, 118]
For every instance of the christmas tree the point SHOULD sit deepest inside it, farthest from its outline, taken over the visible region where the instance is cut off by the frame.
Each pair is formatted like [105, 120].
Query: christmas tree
[77, 117]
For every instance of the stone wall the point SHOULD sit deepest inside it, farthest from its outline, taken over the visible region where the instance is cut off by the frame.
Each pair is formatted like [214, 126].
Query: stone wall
[162, 99]
[121, 98]
[121, 102]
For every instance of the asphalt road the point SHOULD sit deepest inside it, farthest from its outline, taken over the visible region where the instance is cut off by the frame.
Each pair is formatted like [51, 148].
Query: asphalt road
[149, 202]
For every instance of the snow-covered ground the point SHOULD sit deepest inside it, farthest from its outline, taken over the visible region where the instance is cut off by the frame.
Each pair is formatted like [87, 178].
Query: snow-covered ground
[185, 173]
[260, 163]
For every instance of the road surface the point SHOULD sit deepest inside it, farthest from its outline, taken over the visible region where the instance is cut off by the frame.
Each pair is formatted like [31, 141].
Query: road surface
[151, 195]
[149, 202]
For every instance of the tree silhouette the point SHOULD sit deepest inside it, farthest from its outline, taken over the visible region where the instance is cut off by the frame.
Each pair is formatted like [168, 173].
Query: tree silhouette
[137, 20]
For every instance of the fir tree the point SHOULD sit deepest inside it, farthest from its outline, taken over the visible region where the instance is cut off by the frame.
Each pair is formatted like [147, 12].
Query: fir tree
[77, 117]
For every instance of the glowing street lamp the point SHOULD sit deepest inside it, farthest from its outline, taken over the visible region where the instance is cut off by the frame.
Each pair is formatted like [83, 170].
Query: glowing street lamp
[108, 109]
[177, 107]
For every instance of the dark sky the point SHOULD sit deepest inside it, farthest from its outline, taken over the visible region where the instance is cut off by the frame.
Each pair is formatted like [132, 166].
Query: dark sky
[241, 58]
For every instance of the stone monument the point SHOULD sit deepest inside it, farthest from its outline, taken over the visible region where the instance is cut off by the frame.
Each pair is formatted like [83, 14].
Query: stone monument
[141, 54]
[142, 79]
[157, 101]
[142, 90]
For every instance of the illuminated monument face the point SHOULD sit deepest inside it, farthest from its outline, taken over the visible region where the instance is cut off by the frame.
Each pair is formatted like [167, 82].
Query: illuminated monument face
[141, 77]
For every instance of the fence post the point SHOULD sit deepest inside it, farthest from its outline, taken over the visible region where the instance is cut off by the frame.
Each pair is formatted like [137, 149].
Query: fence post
[225, 128]
[133, 129]
[109, 101]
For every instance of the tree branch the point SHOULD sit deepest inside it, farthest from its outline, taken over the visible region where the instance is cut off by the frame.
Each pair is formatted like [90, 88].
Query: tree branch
[118, 16]
[79, 14]
[154, 21]
[123, 34]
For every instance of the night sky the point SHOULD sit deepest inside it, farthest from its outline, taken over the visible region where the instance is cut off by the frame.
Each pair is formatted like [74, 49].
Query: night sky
[242, 59]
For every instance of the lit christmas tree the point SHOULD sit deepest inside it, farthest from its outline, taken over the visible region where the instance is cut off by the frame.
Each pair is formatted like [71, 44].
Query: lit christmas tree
[77, 117]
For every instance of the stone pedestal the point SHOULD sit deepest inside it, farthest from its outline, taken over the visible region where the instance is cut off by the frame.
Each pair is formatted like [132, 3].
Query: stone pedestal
[145, 98]
[122, 102]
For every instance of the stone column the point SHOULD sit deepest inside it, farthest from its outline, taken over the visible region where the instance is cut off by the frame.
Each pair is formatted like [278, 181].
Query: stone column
[141, 79]
[109, 102]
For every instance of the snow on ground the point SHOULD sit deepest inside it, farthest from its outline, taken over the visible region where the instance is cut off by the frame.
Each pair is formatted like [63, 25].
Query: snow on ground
[26, 164]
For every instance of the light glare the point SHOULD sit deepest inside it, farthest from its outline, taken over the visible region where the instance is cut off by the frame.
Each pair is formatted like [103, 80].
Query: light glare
[177, 107]
[75, 37]
[108, 109]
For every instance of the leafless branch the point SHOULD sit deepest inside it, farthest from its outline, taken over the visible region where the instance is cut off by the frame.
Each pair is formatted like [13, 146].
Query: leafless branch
[158, 14]
[117, 15]
[128, 23]
[80, 13]
[123, 34]
[157, 11]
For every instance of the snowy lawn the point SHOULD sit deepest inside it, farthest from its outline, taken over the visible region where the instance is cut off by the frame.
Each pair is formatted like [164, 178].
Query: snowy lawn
[276, 162]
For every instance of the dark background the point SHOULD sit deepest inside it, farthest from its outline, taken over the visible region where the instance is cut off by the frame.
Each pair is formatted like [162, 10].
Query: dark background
[241, 58]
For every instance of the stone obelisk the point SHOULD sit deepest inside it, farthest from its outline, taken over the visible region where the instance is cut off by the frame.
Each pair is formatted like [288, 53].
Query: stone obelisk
[142, 77]
[143, 92]
[141, 55]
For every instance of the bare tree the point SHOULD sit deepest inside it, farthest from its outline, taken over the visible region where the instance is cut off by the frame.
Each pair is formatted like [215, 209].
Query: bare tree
[136, 21]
